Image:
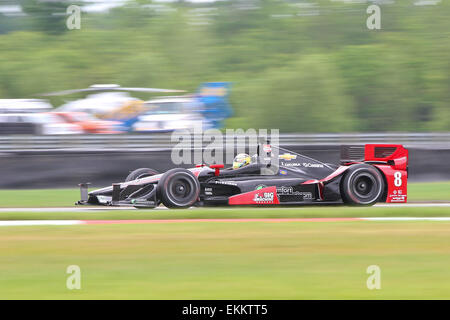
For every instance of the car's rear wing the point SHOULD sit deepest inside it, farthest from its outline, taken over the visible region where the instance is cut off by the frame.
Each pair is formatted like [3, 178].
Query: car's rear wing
[392, 154]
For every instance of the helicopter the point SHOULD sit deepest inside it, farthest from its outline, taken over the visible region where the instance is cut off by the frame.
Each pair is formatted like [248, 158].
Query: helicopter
[113, 102]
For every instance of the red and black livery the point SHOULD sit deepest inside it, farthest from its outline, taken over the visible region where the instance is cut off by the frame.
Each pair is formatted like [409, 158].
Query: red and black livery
[366, 174]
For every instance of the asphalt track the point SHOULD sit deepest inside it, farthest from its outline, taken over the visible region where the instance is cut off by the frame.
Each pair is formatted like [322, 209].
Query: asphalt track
[106, 208]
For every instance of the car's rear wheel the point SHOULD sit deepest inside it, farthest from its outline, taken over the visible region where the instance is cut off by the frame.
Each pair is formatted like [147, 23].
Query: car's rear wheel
[178, 188]
[140, 173]
[362, 185]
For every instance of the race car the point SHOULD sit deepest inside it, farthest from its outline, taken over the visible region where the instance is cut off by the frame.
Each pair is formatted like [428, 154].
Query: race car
[366, 174]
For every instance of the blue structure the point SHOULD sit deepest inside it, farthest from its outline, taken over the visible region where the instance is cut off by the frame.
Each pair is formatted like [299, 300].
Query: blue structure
[214, 97]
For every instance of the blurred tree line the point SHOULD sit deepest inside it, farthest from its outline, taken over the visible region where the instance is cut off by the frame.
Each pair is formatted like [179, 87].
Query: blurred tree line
[294, 65]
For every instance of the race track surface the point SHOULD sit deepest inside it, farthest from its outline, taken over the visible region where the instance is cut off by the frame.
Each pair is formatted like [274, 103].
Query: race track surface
[201, 220]
[93, 209]
[106, 208]
[15, 223]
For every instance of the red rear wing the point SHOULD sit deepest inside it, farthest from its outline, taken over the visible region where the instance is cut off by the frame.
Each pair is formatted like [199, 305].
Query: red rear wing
[392, 160]
[393, 154]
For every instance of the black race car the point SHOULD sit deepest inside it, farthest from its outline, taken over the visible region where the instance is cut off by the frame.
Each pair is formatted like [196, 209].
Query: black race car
[366, 175]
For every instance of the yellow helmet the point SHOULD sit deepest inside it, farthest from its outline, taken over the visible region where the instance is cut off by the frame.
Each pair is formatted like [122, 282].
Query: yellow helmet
[241, 160]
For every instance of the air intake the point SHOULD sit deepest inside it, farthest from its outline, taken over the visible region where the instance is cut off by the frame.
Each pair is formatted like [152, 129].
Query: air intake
[384, 152]
[352, 153]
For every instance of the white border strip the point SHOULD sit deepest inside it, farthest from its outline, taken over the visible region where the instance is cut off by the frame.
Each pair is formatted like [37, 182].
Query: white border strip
[11, 223]
[413, 205]
[408, 219]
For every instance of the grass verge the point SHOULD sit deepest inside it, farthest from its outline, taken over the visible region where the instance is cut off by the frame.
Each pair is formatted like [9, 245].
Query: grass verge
[228, 261]
[433, 191]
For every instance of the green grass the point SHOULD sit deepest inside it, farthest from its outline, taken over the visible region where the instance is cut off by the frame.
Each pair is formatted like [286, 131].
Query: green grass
[39, 198]
[313, 260]
[433, 191]
[429, 191]
[252, 260]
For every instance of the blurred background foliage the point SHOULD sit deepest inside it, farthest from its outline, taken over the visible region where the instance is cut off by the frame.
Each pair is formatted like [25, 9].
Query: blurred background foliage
[295, 65]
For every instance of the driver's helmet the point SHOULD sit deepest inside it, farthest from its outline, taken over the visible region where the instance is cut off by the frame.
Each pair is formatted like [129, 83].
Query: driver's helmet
[241, 160]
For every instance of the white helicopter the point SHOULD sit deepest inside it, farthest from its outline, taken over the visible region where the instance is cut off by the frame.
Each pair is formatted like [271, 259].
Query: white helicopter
[107, 100]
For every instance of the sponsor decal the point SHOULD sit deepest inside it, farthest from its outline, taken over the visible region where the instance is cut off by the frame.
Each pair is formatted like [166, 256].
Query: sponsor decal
[261, 186]
[230, 183]
[394, 198]
[304, 164]
[283, 172]
[289, 191]
[292, 164]
[285, 190]
[306, 195]
[266, 195]
[312, 165]
[397, 196]
[287, 156]
[208, 191]
[263, 197]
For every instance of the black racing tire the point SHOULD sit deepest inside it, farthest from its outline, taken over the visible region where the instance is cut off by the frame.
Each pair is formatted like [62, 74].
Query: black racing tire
[140, 173]
[178, 188]
[362, 185]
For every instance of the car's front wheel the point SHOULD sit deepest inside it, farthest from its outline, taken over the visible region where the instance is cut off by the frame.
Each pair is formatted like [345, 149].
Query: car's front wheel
[178, 188]
[362, 184]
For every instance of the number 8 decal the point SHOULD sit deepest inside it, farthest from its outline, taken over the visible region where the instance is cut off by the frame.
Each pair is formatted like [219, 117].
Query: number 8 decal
[398, 179]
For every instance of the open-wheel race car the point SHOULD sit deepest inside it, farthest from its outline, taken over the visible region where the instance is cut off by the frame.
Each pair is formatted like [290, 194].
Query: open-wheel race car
[366, 174]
